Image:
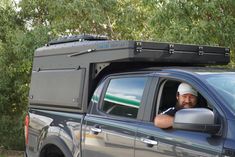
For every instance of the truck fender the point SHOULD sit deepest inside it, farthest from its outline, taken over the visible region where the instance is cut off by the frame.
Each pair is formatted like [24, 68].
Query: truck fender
[58, 143]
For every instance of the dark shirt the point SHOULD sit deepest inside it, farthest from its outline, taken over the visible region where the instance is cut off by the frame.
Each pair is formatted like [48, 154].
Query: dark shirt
[170, 111]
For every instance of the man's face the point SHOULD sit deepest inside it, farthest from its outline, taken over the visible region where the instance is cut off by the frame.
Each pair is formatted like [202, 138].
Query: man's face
[186, 100]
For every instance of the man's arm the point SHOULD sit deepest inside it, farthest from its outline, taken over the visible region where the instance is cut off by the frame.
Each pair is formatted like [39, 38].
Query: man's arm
[163, 121]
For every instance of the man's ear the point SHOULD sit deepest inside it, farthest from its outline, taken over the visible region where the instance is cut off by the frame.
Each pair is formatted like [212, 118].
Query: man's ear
[177, 95]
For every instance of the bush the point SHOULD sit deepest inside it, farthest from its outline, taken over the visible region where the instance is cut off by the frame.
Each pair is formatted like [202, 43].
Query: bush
[12, 132]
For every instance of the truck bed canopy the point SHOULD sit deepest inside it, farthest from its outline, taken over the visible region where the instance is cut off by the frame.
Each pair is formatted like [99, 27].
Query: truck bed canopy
[64, 70]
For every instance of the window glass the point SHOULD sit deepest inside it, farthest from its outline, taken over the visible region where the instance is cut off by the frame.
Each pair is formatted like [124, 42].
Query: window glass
[96, 96]
[224, 85]
[123, 96]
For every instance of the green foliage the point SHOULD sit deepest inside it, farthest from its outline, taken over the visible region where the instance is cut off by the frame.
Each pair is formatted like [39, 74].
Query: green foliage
[197, 22]
[202, 22]
[16, 60]
[117, 19]
[11, 127]
[16, 50]
[12, 133]
[36, 22]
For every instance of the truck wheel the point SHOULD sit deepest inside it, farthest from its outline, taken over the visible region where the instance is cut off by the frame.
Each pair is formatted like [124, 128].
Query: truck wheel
[51, 151]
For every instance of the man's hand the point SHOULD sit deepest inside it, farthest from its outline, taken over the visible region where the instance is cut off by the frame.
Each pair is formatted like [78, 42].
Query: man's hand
[163, 121]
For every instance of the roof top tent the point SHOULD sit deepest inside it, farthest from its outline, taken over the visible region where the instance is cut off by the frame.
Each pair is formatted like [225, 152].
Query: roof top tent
[73, 64]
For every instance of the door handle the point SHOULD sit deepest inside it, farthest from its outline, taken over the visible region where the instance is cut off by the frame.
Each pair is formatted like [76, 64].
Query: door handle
[149, 142]
[96, 129]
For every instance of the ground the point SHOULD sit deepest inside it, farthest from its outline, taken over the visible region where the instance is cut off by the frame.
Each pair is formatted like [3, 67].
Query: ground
[11, 153]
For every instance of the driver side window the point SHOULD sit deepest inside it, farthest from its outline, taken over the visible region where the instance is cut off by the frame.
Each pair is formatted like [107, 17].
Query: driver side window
[169, 93]
[175, 97]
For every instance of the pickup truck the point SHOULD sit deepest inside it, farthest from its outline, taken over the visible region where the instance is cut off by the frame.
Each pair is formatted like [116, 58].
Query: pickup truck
[93, 97]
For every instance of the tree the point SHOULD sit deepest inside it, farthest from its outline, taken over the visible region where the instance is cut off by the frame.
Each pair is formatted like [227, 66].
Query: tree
[16, 51]
[116, 19]
[197, 22]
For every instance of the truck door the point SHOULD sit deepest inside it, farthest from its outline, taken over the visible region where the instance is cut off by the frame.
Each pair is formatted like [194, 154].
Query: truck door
[152, 141]
[112, 124]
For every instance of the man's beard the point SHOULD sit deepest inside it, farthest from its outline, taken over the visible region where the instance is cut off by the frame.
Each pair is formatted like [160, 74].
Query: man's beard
[179, 107]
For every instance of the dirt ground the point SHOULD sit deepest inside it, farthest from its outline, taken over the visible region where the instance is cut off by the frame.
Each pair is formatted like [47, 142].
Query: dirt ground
[11, 153]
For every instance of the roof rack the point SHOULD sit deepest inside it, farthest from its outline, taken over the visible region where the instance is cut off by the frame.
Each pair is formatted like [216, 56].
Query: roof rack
[79, 38]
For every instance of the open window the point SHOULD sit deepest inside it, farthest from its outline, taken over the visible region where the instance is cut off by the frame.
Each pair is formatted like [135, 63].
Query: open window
[203, 117]
[168, 93]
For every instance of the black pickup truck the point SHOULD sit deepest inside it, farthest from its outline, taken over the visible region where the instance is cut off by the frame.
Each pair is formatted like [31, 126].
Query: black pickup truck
[92, 97]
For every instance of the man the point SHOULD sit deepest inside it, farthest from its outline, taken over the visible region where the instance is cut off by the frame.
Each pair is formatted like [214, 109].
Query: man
[186, 98]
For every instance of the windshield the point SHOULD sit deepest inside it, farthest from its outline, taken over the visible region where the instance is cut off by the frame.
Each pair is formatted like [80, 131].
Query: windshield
[224, 85]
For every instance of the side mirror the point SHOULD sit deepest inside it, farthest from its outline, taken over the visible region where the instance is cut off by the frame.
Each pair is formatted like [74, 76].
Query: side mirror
[196, 119]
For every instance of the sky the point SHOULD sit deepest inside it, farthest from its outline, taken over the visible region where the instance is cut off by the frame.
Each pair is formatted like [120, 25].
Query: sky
[17, 1]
